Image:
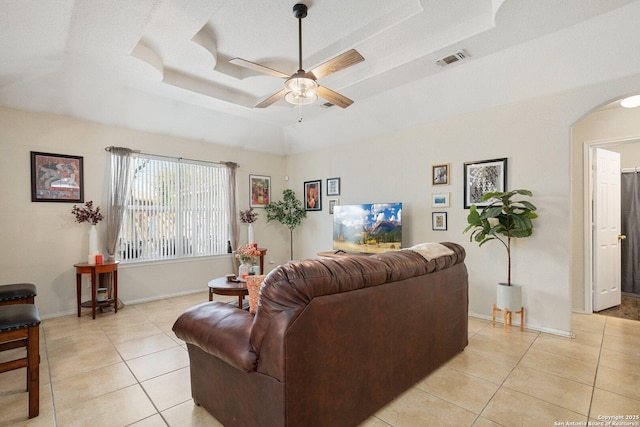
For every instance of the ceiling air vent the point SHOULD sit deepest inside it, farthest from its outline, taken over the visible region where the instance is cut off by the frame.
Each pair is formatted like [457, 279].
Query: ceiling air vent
[327, 105]
[454, 57]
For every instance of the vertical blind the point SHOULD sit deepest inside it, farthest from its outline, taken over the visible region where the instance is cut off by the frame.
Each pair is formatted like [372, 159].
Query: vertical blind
[177, 209]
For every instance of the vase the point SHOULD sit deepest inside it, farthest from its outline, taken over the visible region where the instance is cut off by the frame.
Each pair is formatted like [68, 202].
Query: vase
[244, 270]
[250, 233]
[93, 244]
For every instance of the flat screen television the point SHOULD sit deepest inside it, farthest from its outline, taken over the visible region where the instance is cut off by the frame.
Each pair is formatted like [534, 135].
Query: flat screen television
[367, 228]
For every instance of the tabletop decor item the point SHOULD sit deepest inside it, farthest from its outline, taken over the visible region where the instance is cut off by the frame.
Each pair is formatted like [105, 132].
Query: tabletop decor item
[93, 216]
[247, 255]
[249, 217]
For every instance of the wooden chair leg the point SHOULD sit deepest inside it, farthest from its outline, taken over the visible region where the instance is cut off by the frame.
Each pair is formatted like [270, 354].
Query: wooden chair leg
[33, 370]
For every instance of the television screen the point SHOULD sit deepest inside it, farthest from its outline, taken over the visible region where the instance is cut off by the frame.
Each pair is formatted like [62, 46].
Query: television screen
[367, 228]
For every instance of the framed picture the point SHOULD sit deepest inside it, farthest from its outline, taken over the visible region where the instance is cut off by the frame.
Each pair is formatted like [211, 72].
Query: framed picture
[483, 177]
[439, 221]
[56, 178]
[440, 174]
[313, 195]
[332, 204]
[440, 200]
[260, 190]
[333, 187]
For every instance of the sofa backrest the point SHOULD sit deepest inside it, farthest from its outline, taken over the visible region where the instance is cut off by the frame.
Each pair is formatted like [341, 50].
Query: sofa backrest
[288, 289]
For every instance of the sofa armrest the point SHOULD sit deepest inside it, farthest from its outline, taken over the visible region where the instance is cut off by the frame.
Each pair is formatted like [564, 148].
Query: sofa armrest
[220, 330]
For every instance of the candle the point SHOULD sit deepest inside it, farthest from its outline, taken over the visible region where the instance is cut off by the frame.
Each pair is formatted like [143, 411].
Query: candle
[91, 259]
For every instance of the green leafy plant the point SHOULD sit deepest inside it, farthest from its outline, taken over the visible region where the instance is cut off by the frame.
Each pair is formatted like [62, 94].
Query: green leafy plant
[289, 211]
[503, 219]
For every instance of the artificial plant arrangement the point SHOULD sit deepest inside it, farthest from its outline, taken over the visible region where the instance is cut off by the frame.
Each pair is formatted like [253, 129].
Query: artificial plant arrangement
[503, 219]
[248, 216]
[289, 212]
[247, 253]
[87, 213]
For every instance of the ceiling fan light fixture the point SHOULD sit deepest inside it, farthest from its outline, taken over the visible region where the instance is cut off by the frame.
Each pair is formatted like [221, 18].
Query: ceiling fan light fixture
[631, 102]
[301, 90]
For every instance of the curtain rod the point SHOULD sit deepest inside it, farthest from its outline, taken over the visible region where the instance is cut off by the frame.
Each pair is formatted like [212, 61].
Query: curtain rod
[177, 158]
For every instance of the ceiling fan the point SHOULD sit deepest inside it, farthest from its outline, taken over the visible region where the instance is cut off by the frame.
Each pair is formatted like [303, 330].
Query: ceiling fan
[301, 88]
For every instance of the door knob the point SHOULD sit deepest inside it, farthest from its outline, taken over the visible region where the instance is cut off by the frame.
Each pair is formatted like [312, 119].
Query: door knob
[622, 237]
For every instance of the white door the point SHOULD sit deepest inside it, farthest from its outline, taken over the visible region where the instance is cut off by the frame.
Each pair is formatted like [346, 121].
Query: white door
[606, 265]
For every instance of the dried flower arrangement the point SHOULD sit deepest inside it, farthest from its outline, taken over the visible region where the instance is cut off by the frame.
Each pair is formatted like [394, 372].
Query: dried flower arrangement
[248, 216]
[88, 213]
[247, 253]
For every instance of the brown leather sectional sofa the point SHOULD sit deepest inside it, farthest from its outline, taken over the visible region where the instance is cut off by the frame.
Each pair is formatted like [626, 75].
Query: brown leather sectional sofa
[332, 341]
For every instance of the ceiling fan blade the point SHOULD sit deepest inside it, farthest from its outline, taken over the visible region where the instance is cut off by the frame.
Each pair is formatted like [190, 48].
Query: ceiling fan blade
[340, 62]
[334, 97]
[270, 100]
[259, 68]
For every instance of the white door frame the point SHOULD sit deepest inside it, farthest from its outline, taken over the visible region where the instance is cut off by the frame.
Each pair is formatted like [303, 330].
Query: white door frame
[588, 156]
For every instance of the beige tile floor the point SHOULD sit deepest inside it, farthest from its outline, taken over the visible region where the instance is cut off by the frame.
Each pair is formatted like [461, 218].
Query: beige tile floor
[129, 369]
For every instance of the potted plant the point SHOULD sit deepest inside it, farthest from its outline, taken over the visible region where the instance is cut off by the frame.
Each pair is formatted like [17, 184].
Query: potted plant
[289, 211]
[505, 218]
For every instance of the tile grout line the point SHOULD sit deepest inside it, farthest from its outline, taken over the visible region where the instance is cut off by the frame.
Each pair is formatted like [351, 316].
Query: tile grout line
[595, 376]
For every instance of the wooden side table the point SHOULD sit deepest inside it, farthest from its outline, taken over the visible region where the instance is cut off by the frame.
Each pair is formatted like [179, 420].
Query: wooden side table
[96, 270]
[222, 286]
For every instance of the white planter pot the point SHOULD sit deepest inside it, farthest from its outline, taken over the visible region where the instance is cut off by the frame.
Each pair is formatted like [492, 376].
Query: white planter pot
[509, 297]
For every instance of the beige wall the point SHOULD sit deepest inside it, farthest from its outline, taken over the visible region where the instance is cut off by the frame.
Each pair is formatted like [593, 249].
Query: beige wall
[533, 135]
[41, 241]
[609, 127]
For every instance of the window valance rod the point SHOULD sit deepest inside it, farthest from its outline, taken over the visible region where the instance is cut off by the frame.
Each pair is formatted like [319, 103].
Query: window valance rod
[224, 163]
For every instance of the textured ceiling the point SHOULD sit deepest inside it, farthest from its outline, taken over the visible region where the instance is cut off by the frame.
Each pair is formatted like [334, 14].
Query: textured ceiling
[162, 65]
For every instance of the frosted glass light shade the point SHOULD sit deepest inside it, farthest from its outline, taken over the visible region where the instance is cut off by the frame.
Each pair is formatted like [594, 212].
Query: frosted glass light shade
[301, 91]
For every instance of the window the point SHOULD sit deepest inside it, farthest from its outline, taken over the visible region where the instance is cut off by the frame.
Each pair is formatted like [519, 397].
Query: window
[177, 209]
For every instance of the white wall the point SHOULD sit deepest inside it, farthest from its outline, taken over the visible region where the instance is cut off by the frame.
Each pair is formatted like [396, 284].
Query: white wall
[41, 241]
[533, 135]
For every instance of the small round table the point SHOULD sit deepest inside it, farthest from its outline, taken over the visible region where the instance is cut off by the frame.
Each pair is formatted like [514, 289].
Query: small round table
[96, 270]
[221, 286]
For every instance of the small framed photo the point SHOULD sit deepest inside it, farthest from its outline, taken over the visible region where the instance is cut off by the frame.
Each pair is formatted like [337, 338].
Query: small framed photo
[332, 204]
[483, 177]
[439, 221]
[440, 174]
[440, 200]
[333, 187]
[313, 195]
[259, 190]
[56, 178]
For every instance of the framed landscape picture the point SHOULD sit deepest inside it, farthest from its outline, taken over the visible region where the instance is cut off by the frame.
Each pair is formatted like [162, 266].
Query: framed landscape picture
[483, 177]
[260, 190]
[440, 174]
[440, 200]
[439, 221]
[313, 195]
[56, 178]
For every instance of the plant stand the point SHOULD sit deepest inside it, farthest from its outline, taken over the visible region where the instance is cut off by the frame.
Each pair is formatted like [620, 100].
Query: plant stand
[507, 317]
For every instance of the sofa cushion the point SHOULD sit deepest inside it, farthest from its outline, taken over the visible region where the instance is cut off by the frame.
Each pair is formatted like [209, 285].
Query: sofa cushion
[221, 330]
